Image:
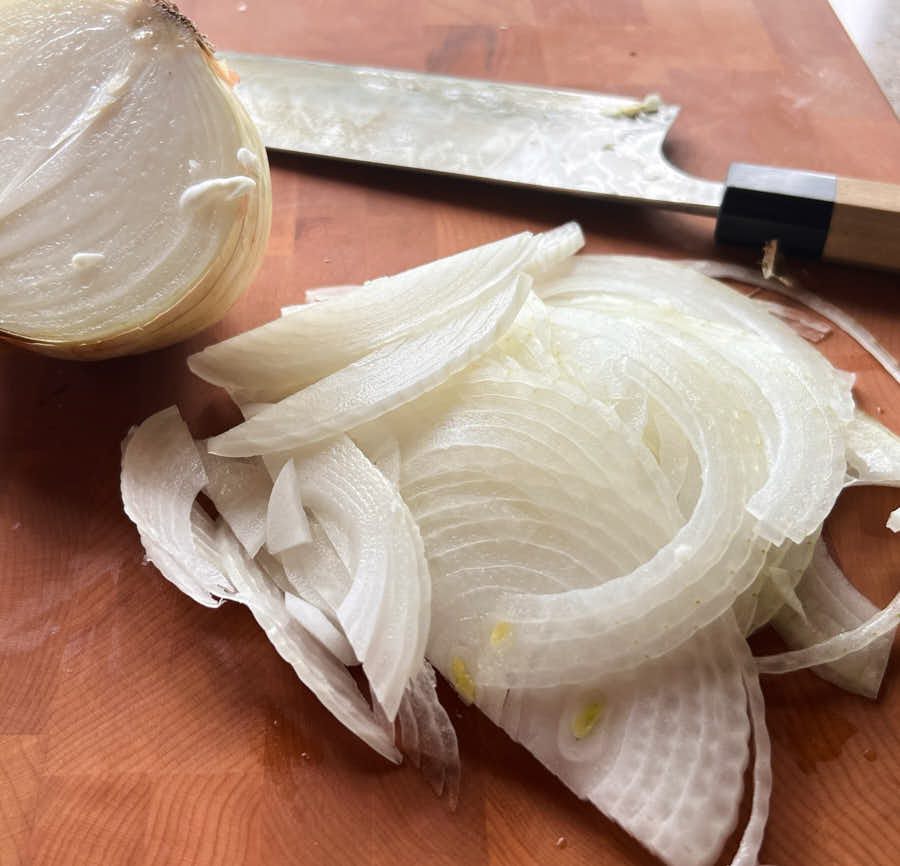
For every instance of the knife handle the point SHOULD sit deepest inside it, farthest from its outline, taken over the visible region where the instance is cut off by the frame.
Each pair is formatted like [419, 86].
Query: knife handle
[822, 215]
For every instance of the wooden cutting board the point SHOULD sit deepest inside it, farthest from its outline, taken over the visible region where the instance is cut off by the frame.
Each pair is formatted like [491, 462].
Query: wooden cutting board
[139, 728]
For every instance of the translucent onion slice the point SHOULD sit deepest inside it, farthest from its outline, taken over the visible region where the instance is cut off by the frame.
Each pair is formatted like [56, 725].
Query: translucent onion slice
[135, 202]
[265, 365]
[818, 304]
[321, 627]
[846, 643]
[661, 750]
[162, 473]
[507, 486]
[385, 613]
[572, 635]
[673, 452]
[803, 434]
[286, 523]
[677, 286]
[315, 665]
[752, 837]
[427, 736]
[387, 378]
[281, 571]
[316, 572]
[873, 452]
[775, 586]
[832, 605]
[240, 491]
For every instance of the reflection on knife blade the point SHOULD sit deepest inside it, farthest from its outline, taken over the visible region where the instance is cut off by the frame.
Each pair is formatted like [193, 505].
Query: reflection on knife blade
[586, 143]
[589, 144]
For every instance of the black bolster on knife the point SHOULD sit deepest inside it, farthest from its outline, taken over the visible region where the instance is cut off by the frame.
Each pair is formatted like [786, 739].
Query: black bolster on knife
[763, 203]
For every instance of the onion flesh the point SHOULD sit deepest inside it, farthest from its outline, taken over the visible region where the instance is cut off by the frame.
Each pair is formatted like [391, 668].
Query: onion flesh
[286, 522]
[427, 737]
[576, 510]
[135, 198]
[831, 605]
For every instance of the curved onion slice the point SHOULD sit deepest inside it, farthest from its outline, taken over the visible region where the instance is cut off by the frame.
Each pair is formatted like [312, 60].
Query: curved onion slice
[316, 572]
[286, 523]
[571, 635]
[240, 491]
[320, 627]
[385, 612]
[315, 665]
[265, 365]
[427, 737]
[661, 750]
[831, 605]
[802, 431]
[824, 308]
[379, 382]
[162, 473]
[775, 584]
[135, 202]
[752, 837]
[837, 647]
[681, 288]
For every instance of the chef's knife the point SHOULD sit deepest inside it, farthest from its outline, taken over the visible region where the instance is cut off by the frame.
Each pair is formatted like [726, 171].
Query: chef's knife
[571, 141]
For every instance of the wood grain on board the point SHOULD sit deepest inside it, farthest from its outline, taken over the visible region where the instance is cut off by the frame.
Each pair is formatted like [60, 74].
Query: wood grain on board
[138, 728]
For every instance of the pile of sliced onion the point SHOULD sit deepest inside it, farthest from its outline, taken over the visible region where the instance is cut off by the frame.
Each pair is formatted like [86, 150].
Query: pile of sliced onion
[135, 201]
[572, 484]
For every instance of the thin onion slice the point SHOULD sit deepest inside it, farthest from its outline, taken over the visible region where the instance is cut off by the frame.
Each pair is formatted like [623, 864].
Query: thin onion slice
[321, 627]
[661, 750]
[286, 522]
[316, 666]
[775, 587]
[240, 490]
[427, 736]
[162, 450]
[803, 432]
[862, 335]
[752, 837]
[316, 571]
[264, 365]
[386, 610]
[388, 377]
[831, 605]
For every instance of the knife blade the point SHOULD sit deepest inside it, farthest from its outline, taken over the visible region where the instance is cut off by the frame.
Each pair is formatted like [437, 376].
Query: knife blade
[571, 141]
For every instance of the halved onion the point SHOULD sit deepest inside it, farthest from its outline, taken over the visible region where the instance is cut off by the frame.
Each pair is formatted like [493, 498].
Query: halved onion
[135, 199]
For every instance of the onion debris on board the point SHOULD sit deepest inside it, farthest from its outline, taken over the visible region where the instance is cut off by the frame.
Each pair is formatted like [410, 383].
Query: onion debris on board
[572, 484]
[135, 200]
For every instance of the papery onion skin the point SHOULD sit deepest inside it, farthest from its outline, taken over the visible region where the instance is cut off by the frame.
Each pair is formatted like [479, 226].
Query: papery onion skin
[203, 299]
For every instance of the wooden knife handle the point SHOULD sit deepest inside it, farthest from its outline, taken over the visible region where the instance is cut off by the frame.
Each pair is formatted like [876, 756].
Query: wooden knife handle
[834, 218]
